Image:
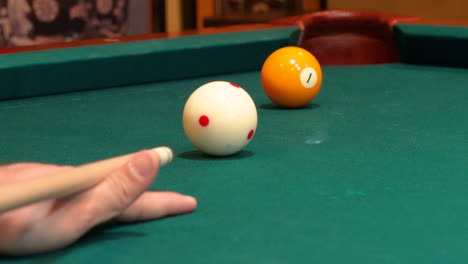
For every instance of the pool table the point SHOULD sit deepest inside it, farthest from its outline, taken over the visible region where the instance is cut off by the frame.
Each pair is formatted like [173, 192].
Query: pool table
[374, 170]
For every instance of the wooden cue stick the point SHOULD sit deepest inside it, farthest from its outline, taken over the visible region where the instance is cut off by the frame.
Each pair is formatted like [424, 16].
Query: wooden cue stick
[68, 182]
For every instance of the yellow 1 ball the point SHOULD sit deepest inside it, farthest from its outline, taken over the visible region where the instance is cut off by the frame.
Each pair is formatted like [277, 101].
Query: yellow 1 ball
[291, 77]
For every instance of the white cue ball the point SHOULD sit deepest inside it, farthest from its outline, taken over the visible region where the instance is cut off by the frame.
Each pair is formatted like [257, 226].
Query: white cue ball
[220, 118]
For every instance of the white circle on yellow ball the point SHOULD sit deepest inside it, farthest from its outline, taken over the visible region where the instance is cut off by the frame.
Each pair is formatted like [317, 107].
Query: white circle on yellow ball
[308, 77]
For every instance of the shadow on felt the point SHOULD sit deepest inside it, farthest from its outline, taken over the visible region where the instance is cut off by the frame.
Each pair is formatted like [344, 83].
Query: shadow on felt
[271, 106]
[197, 155]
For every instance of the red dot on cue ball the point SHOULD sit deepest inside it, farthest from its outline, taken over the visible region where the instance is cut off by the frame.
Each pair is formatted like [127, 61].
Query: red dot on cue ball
[235, 85]
[204, 120]
[250, 135]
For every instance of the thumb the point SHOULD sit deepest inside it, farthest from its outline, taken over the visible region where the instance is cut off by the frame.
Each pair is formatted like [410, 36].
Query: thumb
[118, 191]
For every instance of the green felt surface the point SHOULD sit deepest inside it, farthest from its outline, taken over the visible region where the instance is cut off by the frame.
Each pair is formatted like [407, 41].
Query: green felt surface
[374, 171]
[432, 44]
[104, 66]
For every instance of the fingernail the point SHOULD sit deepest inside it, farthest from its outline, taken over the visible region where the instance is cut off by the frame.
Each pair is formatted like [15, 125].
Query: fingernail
[142, 165]
[188, 197]
[191, 199]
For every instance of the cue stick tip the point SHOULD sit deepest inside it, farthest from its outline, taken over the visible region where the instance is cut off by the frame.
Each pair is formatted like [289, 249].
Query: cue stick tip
[166, 155]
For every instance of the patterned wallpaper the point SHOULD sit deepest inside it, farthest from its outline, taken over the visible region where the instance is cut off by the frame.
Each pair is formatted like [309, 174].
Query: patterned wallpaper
[26, 22]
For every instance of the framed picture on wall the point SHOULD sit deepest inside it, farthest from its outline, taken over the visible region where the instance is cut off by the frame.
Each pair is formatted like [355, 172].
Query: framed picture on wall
[272, 8]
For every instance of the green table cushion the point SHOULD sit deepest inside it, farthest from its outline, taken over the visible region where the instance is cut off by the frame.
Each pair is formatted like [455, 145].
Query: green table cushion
[432, 45]
[94, 67]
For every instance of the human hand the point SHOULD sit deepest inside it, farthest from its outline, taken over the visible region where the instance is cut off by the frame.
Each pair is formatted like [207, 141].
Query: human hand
[54, 224]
